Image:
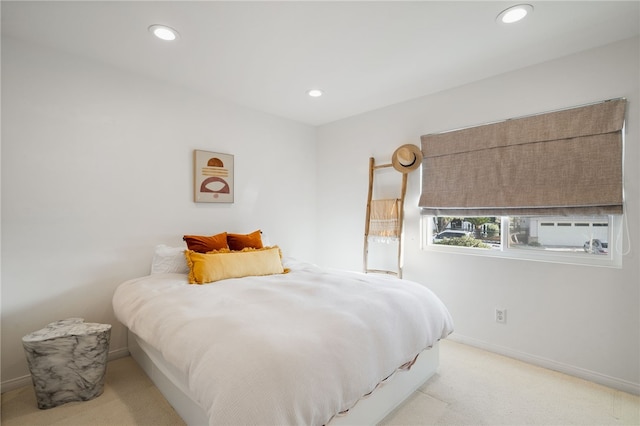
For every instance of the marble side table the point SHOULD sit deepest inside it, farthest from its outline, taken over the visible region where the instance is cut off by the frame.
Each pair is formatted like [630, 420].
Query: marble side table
[67, 360]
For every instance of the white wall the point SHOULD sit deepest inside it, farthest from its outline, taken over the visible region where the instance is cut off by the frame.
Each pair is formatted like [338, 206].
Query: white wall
[579, 319]
[97, 170]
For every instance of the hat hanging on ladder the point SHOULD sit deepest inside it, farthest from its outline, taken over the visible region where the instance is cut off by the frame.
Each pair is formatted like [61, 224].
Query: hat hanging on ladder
[406, 158]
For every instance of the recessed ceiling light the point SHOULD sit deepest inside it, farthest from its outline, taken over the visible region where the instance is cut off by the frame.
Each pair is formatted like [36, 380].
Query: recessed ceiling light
[514, 13]
[163, 32]
[315, 93]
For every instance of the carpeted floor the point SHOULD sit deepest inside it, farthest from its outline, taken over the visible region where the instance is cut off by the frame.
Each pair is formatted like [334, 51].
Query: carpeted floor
[472, 387]
[129, 398]
[476, 387]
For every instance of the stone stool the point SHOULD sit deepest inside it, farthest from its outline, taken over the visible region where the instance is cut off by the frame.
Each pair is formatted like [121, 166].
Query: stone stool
[67, 360]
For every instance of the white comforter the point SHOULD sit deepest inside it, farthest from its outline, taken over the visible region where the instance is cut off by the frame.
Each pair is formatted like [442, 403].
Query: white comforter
[284, 349]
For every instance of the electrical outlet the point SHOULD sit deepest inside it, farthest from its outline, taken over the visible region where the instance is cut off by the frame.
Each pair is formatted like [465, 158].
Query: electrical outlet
[501, 315]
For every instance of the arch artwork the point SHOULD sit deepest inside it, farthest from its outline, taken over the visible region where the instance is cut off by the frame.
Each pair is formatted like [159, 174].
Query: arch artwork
[213, 177]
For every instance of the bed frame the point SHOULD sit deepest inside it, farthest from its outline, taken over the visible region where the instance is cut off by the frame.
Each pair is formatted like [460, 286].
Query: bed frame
[368, 411]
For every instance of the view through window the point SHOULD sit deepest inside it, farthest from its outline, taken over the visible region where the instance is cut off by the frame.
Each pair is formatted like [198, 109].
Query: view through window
[525, 237]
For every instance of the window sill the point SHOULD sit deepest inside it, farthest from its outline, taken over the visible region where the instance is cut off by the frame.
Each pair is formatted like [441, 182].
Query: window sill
[534, 255]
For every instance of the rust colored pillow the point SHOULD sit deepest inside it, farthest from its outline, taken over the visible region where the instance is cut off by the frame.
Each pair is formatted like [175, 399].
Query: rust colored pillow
[203, 244]
[238, 242]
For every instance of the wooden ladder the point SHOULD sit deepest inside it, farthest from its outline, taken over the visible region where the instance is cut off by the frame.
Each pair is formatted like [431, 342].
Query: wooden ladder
[372, 171]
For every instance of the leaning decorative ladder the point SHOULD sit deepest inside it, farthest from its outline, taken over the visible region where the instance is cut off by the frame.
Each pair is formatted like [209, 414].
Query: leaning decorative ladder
[384, 219]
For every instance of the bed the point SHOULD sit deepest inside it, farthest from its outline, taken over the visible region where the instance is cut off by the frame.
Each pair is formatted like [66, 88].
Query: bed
[305, 346]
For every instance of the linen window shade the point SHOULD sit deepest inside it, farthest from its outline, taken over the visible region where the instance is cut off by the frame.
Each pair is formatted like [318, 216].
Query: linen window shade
[566, 162]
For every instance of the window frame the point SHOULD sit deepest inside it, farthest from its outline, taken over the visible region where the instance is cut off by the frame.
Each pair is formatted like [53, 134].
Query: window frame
[612, 259]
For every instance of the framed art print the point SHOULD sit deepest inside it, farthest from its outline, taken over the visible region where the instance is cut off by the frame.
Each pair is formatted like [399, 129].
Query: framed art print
[213, 177]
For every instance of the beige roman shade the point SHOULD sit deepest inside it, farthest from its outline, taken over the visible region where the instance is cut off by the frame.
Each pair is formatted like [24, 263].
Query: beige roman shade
[566, 162]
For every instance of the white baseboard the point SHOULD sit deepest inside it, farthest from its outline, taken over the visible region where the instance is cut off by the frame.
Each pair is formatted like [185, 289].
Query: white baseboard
[18, 382]
[582, 373]
[118, 353]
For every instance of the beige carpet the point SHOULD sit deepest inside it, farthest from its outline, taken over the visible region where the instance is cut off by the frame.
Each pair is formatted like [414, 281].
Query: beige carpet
[472, 387]
[476, 387]
[129, 398]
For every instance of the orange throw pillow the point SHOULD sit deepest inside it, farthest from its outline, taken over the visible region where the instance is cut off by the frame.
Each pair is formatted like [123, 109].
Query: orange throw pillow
[203, 244]
[238, 242]
[215, 266]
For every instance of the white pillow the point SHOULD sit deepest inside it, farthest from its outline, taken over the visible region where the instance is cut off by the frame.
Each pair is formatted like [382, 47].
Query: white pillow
[265, 239]
[168, 260]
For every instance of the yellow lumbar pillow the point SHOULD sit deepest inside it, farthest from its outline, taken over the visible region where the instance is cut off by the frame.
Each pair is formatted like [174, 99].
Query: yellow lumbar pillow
[222, 264]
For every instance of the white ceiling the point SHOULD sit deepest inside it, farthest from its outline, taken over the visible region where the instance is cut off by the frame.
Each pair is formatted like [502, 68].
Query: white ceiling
[364, 55]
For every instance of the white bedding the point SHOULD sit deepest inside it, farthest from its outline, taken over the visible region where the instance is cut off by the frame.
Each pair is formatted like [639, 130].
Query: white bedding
[296, 348]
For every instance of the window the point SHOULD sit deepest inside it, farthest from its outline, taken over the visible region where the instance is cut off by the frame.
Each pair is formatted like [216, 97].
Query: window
[577, 240]
[525, 188]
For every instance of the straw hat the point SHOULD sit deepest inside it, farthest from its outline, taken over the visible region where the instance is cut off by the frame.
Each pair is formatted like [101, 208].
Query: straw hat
[406, 158]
